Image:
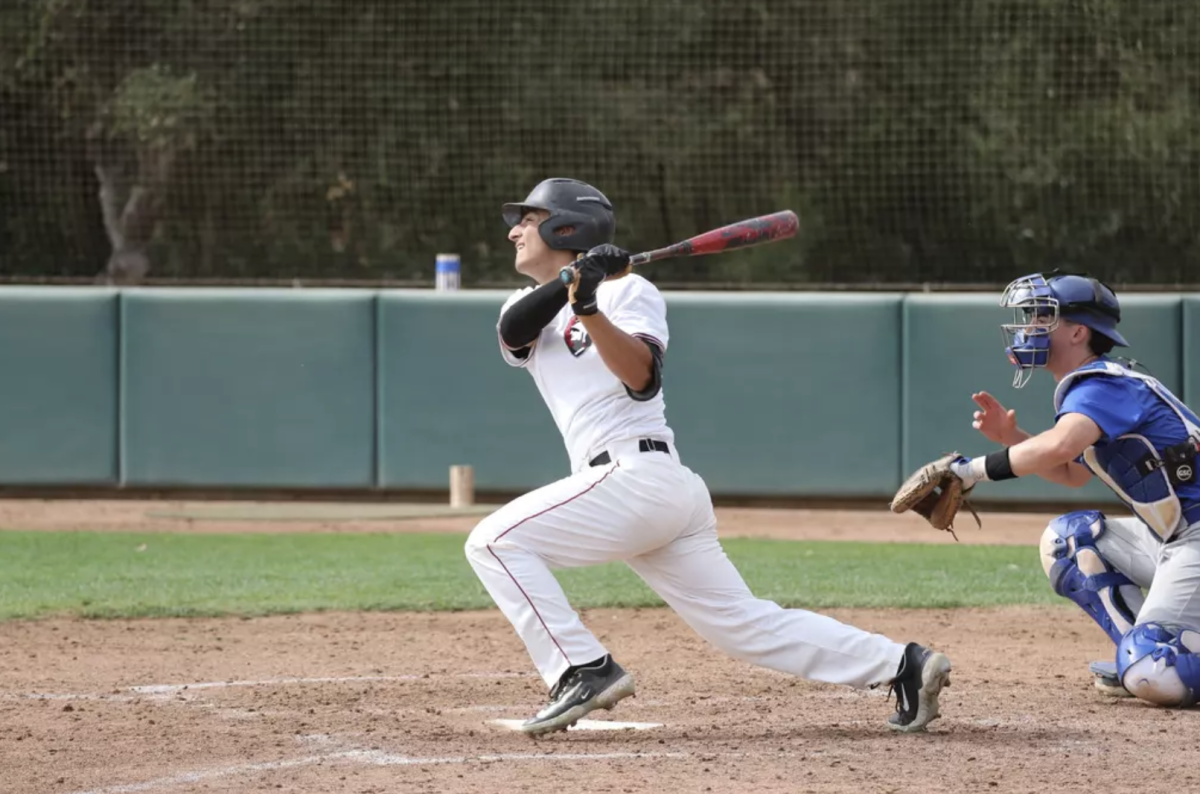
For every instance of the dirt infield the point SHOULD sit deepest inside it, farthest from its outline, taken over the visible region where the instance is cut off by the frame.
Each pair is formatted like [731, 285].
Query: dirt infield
[369, 703]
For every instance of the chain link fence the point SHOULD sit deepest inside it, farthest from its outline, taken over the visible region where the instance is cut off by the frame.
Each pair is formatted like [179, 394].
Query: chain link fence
[920, 141]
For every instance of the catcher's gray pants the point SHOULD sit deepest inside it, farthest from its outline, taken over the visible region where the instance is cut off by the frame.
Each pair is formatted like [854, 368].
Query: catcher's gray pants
[1169, 571]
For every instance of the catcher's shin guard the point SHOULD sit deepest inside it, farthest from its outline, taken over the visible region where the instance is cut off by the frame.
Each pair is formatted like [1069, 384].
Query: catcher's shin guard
[1160, 663]
[1079, 572]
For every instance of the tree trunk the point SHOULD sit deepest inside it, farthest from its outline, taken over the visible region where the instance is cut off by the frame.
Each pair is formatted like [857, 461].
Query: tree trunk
[130, 209]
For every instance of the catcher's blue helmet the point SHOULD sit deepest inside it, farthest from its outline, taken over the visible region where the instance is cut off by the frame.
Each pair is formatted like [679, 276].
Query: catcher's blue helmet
[1039, 301]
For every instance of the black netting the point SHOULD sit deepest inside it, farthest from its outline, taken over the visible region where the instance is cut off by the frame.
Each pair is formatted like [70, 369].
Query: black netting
[919, 140]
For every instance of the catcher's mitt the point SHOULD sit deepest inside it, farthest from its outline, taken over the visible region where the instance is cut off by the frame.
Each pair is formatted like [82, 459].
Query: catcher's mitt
[935, 493]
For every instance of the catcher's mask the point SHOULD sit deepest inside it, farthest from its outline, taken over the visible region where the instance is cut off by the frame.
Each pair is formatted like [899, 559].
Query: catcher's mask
[1039, 302]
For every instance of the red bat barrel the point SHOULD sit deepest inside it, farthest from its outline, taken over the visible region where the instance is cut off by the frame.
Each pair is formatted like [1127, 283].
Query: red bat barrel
[743, 234]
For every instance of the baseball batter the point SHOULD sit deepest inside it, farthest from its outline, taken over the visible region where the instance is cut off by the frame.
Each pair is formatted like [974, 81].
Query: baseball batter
[595, 351]
[1129, 430]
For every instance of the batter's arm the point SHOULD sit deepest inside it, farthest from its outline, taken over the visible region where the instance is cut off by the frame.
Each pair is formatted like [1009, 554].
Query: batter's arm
[525, 319]
[626, 356]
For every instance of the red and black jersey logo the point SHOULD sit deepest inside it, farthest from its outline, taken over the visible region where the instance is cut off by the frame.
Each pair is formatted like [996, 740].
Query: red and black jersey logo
[576, 337]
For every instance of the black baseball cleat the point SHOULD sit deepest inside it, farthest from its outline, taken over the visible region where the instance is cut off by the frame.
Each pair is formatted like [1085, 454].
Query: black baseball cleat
[917, 684]
[599, 685]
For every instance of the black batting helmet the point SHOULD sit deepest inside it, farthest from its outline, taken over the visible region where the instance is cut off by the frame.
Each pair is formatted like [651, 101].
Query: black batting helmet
[570, 203]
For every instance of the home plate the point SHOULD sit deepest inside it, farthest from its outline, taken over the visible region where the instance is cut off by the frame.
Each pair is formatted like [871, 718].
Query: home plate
[587, 725]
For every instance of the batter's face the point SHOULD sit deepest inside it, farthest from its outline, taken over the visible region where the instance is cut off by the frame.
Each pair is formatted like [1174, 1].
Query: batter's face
[533, 257]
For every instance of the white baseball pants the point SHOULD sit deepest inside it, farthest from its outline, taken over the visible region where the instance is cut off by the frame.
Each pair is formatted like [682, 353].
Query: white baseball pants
[656, 515]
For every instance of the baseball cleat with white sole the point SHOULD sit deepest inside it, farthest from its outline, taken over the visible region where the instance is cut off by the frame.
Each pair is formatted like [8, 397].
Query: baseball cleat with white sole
[579, 692]
[922, 675]
[1106, 682]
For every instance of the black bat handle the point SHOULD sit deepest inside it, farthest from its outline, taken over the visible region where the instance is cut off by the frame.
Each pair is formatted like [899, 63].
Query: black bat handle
[567, 274]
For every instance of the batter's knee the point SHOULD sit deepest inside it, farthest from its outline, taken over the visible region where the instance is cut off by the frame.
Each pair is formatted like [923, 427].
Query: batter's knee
[476, 547]
[1160, 663]
[1079, 572]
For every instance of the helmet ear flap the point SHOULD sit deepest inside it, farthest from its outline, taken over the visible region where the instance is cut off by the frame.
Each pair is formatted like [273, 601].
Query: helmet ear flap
[566, 231]
[571, 203]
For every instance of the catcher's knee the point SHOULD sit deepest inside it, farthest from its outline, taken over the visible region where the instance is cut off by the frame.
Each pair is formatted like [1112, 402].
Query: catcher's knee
[1160, 663]
[1079, 572]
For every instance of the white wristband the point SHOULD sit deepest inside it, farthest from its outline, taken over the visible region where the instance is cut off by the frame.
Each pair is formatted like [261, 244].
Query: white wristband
[971, 471]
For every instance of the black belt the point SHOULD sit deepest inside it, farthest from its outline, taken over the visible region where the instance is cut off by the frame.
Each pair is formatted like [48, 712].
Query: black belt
[644, 445]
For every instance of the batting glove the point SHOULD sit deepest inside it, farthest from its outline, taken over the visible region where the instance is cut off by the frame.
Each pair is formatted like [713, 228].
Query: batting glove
[600, 263]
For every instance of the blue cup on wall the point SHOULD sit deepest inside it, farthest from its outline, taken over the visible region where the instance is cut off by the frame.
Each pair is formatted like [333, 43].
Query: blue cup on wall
[448, 273]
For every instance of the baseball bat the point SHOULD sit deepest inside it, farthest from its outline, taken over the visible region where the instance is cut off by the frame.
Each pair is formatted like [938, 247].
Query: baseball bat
[743, 234]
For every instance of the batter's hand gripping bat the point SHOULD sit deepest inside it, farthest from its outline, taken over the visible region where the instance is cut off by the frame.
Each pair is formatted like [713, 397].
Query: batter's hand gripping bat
[743, 234]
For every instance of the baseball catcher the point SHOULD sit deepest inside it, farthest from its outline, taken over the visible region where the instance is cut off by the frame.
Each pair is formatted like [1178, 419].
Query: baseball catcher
[1137, 576]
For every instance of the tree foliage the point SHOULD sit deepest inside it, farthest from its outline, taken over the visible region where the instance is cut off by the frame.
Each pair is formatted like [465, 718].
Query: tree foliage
[919, 140]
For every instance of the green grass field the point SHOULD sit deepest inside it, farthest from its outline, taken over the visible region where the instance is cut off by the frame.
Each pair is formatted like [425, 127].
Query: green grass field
[144, 575]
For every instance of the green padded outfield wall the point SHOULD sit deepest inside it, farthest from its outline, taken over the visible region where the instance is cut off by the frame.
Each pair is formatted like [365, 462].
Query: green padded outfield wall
[269, 388]
[58, 398]
[738, 370]
[1191, 351]
[796, 394]
[738, 367]
[447, 398]
[954, 347]
[770, 394]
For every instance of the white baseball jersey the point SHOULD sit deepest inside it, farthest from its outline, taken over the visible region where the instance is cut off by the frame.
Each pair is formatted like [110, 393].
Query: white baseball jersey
[590, 405]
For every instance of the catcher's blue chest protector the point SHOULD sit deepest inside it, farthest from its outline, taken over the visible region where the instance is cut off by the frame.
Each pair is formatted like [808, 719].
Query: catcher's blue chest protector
[1152, 465]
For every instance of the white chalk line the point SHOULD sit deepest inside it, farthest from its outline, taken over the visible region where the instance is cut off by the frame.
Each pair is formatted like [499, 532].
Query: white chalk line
[368, 758]
[632, 703]
[160, 690]
[200, 776]
[166, 689]
[162, 693]
[380, 758]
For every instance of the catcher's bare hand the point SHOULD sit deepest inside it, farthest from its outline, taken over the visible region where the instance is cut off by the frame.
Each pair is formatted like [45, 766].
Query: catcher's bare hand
[994, 421]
